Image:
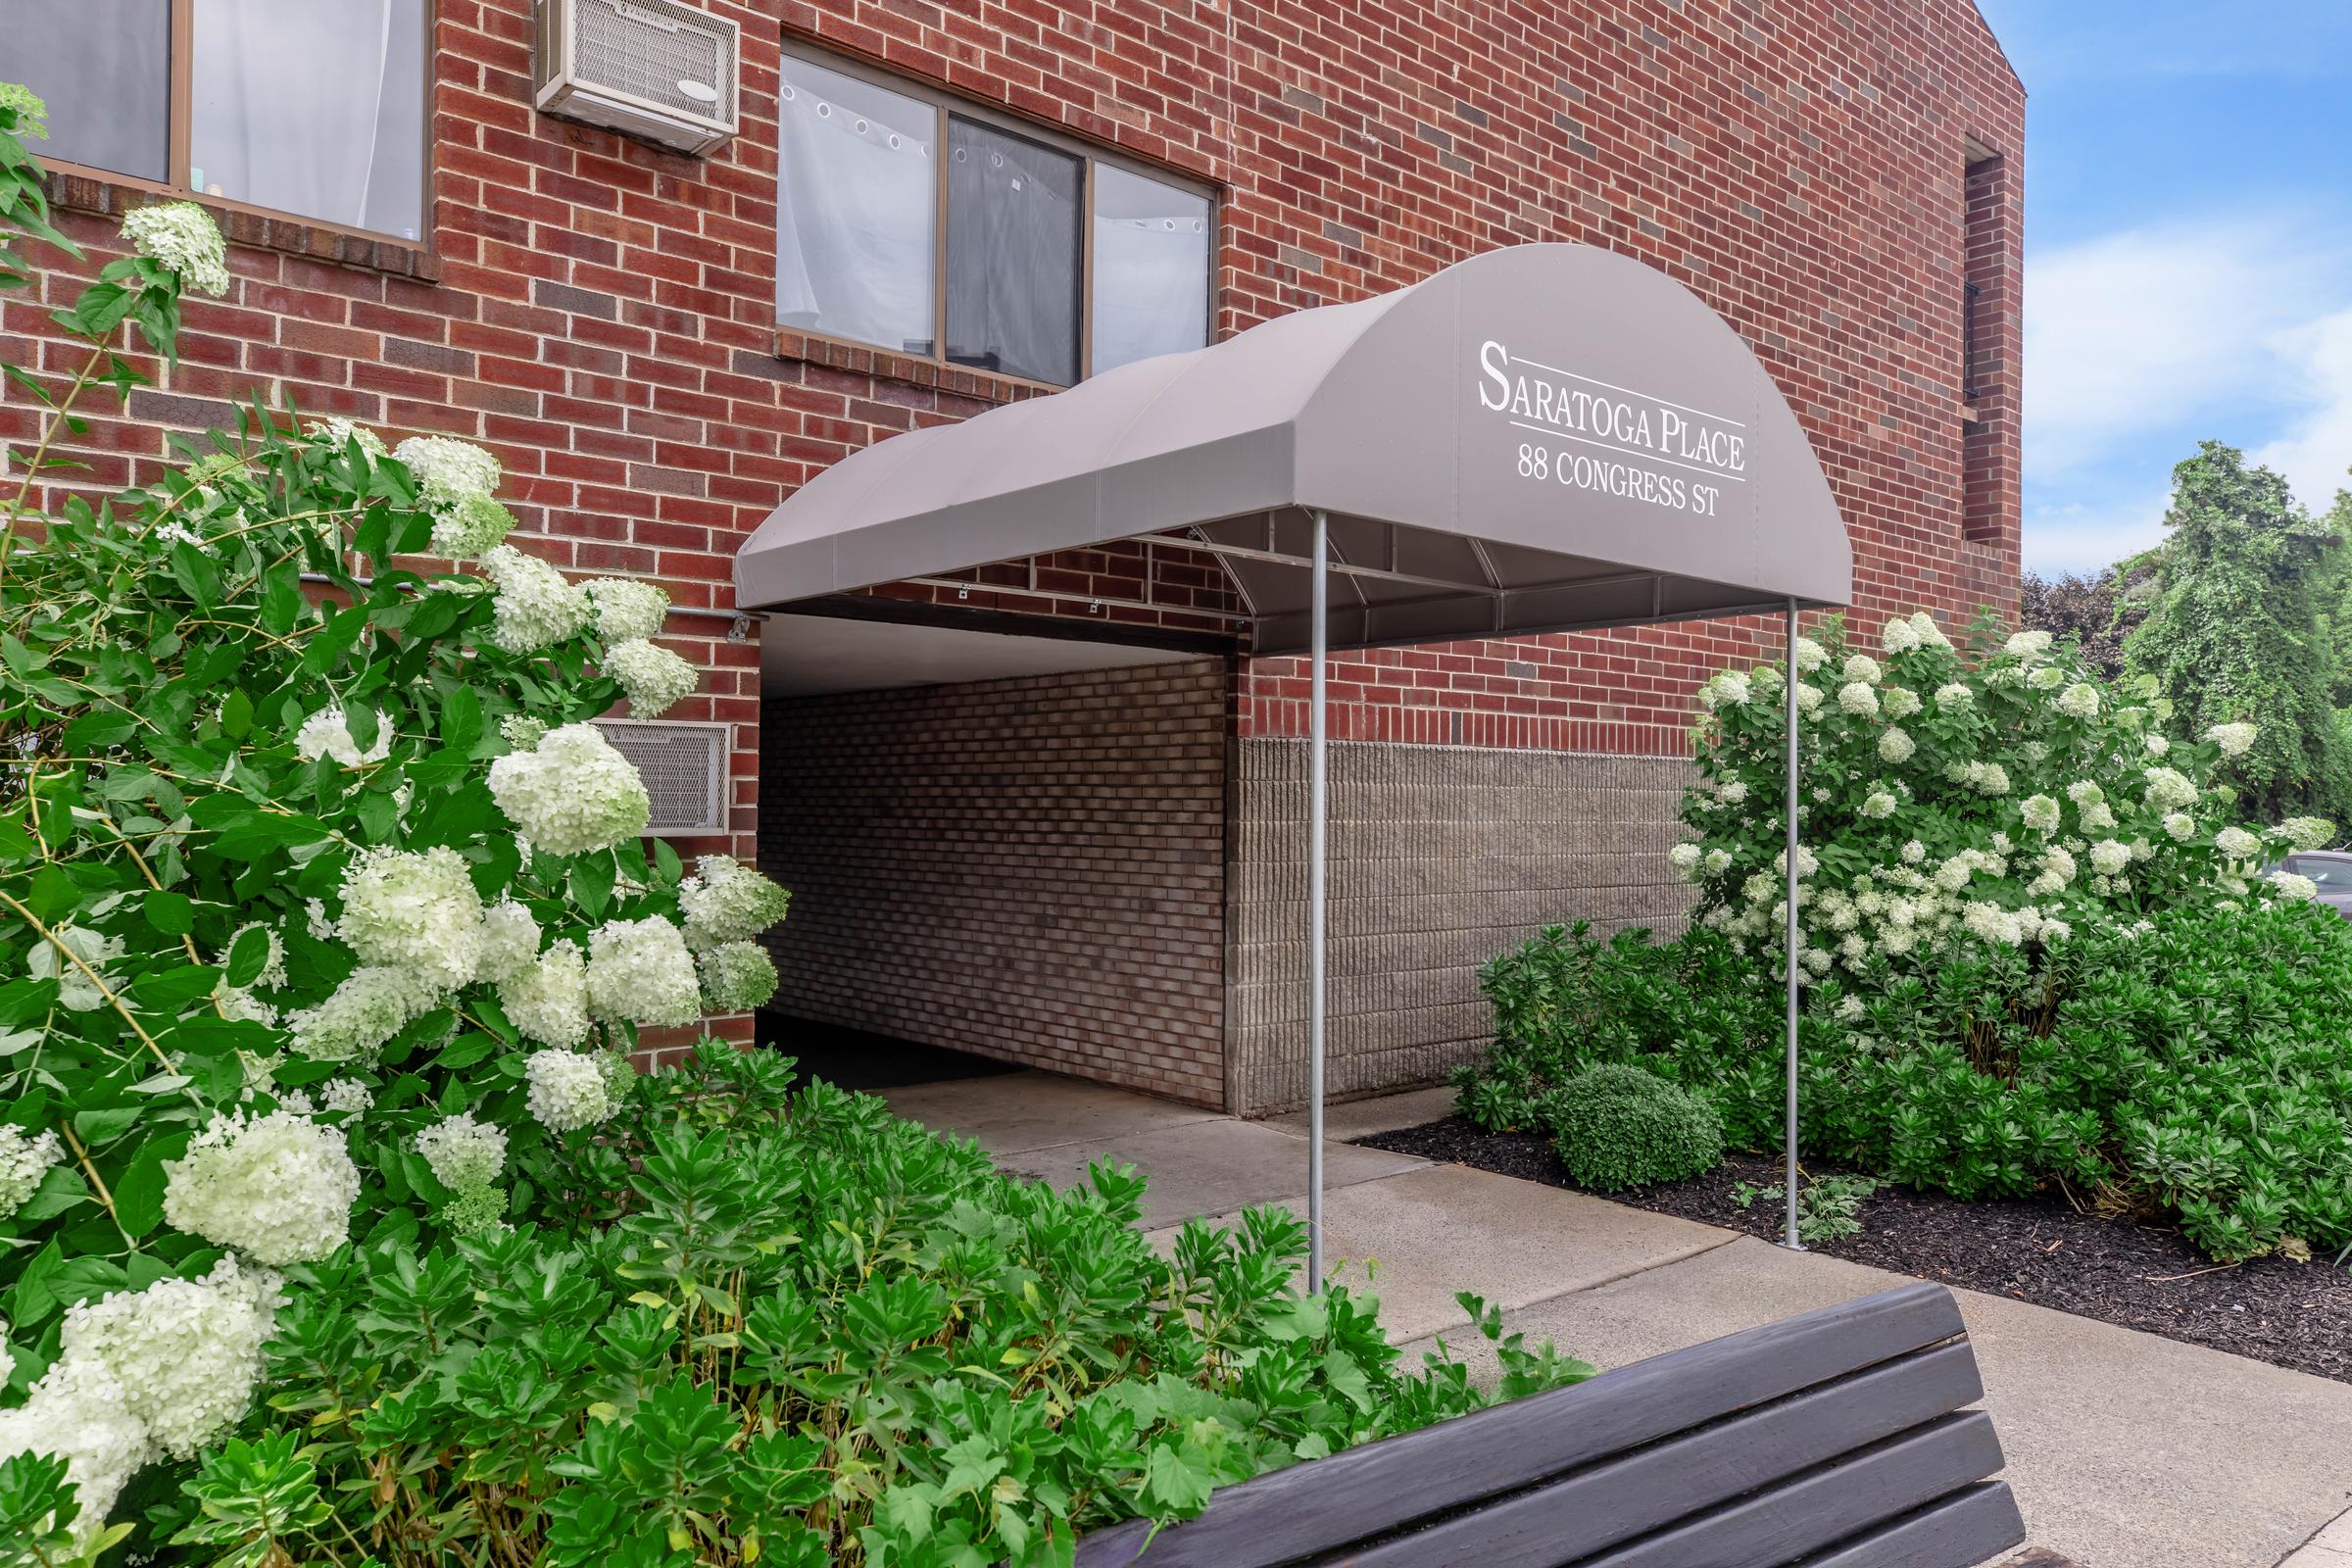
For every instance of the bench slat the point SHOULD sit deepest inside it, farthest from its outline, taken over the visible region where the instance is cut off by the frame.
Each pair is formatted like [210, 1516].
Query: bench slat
[1332, 1503]
[1613, 1502]
[1821, 1509]
[1958, 1532]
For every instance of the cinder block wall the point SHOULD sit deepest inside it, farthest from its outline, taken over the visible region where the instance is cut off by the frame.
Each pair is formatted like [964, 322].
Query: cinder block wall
[1031, 870]
[1441, 858]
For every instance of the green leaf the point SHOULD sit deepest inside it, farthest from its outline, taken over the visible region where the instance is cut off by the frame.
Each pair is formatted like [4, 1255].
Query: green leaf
[281, 599]
[175, 988]
[104, 1124]
[98, 729]
[171, 913]
[236, 716]
[139, 1194]
[591, 884]
[248, 956]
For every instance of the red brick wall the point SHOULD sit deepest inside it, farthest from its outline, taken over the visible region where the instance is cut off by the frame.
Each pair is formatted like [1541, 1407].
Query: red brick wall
[601, 313]
[1032, 869]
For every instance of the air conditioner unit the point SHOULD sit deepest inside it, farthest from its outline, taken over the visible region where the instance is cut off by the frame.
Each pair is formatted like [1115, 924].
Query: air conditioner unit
[684, 765]
[656, 69]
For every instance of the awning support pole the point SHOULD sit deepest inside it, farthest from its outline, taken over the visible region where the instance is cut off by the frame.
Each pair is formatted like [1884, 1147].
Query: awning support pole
[1318, 788]
[1792, 1238]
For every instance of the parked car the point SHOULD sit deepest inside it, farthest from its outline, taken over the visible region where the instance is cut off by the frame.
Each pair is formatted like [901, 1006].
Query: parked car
[2332, 871]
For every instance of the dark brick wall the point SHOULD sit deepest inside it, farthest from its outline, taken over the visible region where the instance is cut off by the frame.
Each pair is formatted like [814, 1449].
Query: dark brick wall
[1032, 869]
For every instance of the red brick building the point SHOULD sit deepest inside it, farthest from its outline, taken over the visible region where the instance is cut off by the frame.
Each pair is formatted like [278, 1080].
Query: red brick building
[1091, 864]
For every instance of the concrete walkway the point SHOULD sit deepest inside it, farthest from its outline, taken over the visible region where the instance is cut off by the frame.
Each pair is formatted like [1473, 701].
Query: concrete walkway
[2125, 1450]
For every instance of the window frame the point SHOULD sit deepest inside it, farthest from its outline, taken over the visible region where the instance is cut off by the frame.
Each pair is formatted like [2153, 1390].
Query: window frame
[180, 137]
[945, 104]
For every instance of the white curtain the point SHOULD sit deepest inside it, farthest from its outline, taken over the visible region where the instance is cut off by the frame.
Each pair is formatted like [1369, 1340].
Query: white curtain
[1150, 287]
[855, 201]
[313, 107]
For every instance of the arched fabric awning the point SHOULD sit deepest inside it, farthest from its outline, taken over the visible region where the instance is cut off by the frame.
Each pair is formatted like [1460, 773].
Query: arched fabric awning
[1544, 438]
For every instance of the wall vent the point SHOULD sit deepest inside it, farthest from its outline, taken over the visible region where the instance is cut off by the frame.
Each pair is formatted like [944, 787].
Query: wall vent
[684, 766]
[651, 69]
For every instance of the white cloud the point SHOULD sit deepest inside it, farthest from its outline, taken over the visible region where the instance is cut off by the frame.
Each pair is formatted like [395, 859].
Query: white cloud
[2081, 536]
[2316, 447]
[2152, 329]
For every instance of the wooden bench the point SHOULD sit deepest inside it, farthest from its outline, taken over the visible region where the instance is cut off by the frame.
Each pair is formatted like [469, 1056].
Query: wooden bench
[1839, 1439]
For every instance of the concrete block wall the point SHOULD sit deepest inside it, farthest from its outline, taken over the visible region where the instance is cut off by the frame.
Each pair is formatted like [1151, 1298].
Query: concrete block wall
[1441, 858]
[1031, 870]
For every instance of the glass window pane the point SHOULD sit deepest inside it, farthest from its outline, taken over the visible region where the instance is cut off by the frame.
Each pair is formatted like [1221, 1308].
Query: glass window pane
[857, 209]
[1152, 259]
[315, 110]
[1012, 255]
[104, 68]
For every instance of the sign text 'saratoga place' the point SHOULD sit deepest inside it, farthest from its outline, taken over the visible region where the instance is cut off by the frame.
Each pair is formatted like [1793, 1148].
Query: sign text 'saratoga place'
[1642, 447]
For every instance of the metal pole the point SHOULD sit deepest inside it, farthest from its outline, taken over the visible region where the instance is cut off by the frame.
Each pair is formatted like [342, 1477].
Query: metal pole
[1317, 786]
[1792, 1240]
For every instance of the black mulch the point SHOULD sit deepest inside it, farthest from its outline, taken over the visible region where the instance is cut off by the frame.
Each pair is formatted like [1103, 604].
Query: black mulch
[2038, 1249]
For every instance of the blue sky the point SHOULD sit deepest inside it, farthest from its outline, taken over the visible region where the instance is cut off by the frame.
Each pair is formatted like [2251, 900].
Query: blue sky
[2188, 254]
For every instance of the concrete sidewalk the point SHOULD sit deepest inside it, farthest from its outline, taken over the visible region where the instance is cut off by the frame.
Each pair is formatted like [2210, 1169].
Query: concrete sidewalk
[2125, 1450]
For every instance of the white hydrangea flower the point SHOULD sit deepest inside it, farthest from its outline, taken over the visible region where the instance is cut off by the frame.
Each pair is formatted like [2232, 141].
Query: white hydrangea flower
[1953, 875]
[2237, 844]
[1731, 791]
[76, 992]
[1896, 746]
[2291, 885]
[2109, 857]
[2306, 832]
[315, 922]
[627, 609]
[2057, 871]
[183, 237]
[345, 1096]
[448, 471]
[726, 901]
[2234, 740]
[2156, 744]
[1931, 635]
[2179, 824]
[571, 793]
[1727, 687]
[1717, 863]
[509, 940]
[549, 1001]
[2028, 645]
[278, 1188]
[1859, 699]
[1808, 700]
[33, 116]
[2046, 678]
[25, 1159]
[78, 1414]
[2082, 792]
[2054, 929]
[2080, 701]
[1878, 803]
[1914, 851]
[1850, 1007]
[328, 733]
[654, 678]
[2042, 813]
[1898, 636]
[2167, 789]
[375, 1003]
[463, 1152]
[1991, 922]
[1864, 668]
[470, 527]
[1810, 655]
[2096, 817]
[339, 432]
[1989, 778]
[566, 1090]
[1807, 863]
[640, 970]
[186, 1354]
[416, 911]
[1683, 857]
[1900, 702]
[536, 607]
[1954, 695]
[737, 976]
[521, 731]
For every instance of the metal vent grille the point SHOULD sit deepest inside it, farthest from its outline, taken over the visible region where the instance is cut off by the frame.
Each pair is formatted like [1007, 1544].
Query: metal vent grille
[684, 766]
[660, 51]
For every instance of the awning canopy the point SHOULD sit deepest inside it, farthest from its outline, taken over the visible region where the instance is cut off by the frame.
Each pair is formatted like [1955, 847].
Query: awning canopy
[1544, 438]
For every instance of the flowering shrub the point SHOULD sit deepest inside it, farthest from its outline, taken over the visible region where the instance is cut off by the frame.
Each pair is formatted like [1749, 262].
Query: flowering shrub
[322, 908]
[2036, 949]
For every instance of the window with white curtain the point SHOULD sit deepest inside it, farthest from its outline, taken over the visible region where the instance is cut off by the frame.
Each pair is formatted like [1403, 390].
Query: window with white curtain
[1013, 250]
[316, 109]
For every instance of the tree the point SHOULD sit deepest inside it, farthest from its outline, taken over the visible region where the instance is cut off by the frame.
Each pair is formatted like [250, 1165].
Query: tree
[2099, 611]
[2235, 631]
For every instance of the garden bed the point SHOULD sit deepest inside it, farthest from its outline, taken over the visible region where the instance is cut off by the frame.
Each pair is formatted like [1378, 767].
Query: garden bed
[2295, 1315]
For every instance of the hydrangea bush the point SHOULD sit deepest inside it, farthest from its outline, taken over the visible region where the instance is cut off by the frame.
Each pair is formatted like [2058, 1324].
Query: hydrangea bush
[2037, 947]
[323, 910]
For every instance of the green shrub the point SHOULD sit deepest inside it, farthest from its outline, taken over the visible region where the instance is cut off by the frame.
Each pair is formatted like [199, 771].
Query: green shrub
[803, 1331]
[1617, 1126]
